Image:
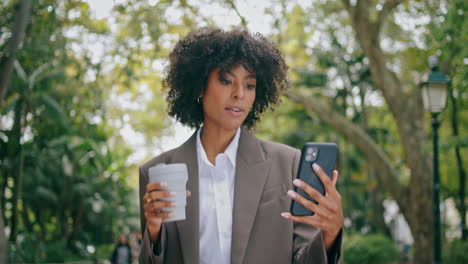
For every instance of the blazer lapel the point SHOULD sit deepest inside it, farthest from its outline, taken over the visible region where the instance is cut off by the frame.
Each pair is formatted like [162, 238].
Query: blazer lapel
[189, 228]
[251, 173]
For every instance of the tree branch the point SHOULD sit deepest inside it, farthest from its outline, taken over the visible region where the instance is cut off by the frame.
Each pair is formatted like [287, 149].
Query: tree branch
[379, 160]
[346, 3]
[8, 57]
[363, 4]
[30, 80]
[233, 6]
[361, 10]
[387, 8]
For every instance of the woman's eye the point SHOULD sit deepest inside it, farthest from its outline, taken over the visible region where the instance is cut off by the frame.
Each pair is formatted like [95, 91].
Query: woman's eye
[251, 86]
[225, 81]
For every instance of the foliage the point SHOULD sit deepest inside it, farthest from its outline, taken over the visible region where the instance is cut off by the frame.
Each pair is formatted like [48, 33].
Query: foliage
[455, 252]
[447, 41]
[64, 170]
[372, 248]
[29, 249]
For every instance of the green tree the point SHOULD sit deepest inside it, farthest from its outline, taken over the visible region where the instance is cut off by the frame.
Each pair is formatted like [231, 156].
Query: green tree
[6, 68]
[64, 168]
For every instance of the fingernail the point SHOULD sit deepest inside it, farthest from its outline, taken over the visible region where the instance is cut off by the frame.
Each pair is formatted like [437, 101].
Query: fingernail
[315, 166]
[173, 204]
[172, 193]
[297, 182]
[163, 184]
[292, 194]
[285, 215]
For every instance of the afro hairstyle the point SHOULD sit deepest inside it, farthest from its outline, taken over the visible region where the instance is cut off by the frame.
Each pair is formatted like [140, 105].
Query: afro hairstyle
[203, 50]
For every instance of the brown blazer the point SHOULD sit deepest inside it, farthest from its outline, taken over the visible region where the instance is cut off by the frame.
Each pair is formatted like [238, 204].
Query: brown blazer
[264, 173]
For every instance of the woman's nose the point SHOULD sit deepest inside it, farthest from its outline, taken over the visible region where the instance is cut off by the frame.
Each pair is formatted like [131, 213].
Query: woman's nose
[238, 92]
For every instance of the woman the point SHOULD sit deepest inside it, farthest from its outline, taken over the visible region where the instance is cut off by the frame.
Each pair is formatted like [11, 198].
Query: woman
[221, 83]
[122, 253]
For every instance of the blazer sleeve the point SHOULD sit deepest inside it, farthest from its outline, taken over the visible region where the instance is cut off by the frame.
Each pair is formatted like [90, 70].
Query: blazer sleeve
[308, 245]
[151, 252]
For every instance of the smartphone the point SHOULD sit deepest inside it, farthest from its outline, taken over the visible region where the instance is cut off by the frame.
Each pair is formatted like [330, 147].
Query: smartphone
[325, 155]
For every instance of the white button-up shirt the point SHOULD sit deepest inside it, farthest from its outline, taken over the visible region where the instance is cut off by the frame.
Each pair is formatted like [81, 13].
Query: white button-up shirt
[216, 190]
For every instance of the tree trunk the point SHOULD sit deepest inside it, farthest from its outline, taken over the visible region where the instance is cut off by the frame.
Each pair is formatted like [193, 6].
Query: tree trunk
[6, 68]
[3, 239]
[2, 195]
[3, 242]
[406, 108]
[41, 224]
[27, 222]
[6, 61]
[376, 197]
[461, 170]
[77, 224]
[17, 148]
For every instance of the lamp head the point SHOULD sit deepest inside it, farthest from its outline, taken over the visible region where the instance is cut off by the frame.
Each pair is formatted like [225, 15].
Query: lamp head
[434, 88]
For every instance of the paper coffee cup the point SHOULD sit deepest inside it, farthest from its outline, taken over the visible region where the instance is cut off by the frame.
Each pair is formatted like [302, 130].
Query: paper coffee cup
[176, 176]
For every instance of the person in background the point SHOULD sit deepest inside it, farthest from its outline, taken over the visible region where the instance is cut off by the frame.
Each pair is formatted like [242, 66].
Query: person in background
[122, 253]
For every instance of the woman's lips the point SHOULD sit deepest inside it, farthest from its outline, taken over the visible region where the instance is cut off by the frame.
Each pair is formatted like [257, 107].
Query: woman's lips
[235, 111]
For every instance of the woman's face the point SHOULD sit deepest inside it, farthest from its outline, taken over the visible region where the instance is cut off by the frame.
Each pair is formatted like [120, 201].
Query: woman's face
[228, 97]
[123, 239]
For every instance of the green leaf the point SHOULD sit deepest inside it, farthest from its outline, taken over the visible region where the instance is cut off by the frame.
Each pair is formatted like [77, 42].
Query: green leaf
[81, 190]
[56, 111]
[46, 195]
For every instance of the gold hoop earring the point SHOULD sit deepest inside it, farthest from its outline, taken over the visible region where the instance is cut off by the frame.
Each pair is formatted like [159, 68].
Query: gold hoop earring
[199, 100]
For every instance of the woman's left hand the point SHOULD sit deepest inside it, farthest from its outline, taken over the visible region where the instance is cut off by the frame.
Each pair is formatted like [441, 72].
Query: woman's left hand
[328, 212]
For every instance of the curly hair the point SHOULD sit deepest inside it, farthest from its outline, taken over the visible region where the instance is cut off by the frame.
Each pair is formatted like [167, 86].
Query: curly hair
[203, 50]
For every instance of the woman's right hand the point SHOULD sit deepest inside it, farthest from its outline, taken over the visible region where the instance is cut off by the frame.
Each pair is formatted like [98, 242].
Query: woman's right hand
[154, 207]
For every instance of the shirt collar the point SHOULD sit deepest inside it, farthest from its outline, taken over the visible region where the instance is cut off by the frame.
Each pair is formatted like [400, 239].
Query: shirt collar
[231, 150]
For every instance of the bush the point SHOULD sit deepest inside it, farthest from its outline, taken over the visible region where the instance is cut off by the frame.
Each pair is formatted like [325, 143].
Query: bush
[374, 249]
[456, 252]
[31, 250]
[57, 251]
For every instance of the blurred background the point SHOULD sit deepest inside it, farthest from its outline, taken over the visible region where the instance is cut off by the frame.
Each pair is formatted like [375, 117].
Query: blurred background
[81, 107]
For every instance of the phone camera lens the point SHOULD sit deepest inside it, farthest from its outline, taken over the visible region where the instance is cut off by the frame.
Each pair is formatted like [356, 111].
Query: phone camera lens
[308, 158]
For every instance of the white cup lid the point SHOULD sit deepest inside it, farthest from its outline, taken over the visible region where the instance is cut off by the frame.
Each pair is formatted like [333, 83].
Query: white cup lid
[167, 171]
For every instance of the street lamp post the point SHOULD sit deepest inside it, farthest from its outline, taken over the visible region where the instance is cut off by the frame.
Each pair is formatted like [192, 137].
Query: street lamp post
[437, 240]
[434, 92]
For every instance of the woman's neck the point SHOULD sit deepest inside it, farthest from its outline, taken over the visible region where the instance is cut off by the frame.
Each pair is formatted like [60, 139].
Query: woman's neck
[215, 141]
